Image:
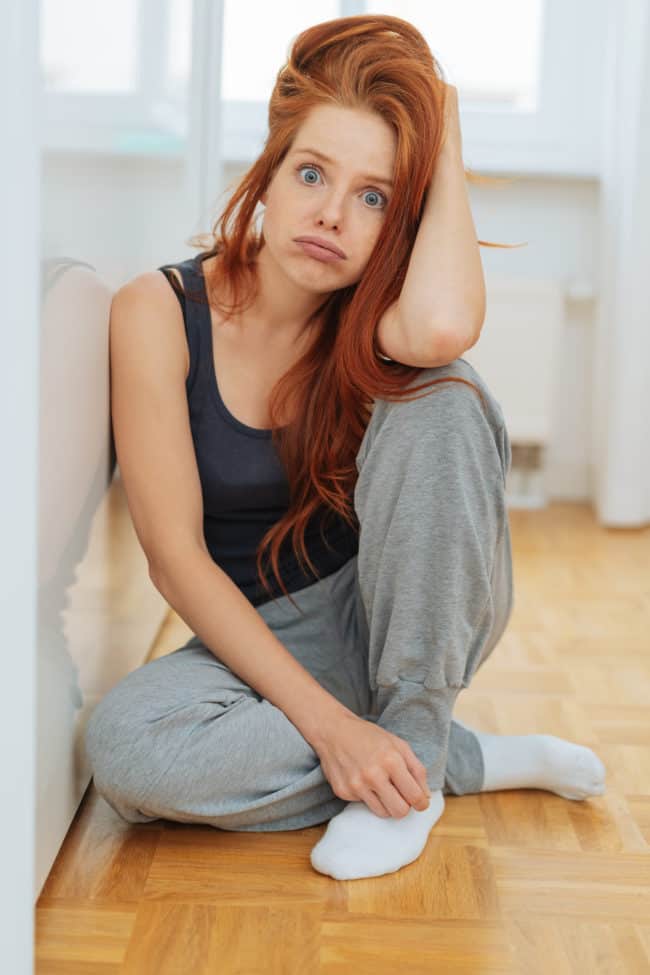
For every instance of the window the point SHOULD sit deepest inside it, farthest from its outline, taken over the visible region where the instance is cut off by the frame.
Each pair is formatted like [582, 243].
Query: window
[89, 48]
[116, 77]
[252, 58]
[529, 74]
[490, 51]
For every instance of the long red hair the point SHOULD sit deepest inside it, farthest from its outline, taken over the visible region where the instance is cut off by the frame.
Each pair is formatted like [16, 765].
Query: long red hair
[371, 62]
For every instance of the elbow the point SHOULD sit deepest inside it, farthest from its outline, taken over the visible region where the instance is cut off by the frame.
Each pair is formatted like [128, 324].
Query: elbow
[453, 340]
[182, 561]
[159, 574]
[446, 345]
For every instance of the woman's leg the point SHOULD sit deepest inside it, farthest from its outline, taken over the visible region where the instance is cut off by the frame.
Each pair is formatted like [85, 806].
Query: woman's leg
[435, 576]
[183, 738]
[434, 563]
[435, 594]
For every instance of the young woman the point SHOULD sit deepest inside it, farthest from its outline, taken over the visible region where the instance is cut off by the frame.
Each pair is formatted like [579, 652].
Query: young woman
[277, 407]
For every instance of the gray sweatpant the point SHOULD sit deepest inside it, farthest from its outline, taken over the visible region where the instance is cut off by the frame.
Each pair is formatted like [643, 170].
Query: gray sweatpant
[394, 634]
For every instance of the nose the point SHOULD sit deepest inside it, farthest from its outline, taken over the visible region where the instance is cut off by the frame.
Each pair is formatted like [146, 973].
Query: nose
[331, 213]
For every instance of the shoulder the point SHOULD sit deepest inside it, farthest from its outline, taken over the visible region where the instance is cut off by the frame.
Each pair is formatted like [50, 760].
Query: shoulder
[153, 290]
[154, 285]
[146, 304]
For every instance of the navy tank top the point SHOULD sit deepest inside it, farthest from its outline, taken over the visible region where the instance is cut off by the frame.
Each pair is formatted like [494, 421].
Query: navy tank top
[243, 482]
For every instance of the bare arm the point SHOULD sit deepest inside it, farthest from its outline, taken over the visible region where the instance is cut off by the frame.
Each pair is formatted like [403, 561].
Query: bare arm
[444, 288]
[216, 610]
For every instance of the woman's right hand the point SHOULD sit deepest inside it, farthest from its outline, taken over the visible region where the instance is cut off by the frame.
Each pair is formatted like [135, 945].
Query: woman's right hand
[364, 762]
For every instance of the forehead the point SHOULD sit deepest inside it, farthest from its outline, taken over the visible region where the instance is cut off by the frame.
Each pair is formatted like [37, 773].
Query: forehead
[357, 139]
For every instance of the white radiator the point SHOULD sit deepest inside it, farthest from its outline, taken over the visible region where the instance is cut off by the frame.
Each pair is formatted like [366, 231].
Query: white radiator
[517, 357]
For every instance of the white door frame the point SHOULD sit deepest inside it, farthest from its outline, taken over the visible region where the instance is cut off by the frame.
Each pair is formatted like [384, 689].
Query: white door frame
[20, 94]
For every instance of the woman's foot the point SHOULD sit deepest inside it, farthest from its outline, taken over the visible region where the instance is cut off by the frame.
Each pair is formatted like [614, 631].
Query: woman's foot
[358, 843]
[540, 762]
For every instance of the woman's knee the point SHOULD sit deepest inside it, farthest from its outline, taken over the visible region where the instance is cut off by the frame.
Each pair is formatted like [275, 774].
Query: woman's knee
[446, 405]
[122, 728]
[106, 740]
[139, 728]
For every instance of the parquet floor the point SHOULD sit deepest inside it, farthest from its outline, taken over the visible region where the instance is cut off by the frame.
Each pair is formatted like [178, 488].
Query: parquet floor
[514, 881]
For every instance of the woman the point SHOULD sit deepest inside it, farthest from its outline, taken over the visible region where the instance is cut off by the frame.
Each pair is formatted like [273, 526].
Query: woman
[326, 692]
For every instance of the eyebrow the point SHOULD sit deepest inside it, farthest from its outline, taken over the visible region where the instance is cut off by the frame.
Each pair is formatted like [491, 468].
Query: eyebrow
[321, 155]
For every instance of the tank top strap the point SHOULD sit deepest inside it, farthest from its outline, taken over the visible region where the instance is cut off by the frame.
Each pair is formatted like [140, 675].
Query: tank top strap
[196, 316]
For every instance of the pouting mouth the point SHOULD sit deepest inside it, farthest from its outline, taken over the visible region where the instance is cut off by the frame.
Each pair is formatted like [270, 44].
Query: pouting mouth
[322, 243]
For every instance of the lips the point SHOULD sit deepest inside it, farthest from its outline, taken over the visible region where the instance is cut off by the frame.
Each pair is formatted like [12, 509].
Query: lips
[321, 242]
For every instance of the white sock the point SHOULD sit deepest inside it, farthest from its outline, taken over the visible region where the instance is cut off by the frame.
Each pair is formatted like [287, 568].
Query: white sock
[540, 762]
[358, 843]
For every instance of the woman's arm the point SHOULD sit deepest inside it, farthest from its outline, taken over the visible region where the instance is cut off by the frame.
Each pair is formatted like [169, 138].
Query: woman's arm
[444, 287]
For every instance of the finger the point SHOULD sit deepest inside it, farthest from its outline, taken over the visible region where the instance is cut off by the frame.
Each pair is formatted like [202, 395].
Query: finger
[387, 789]
[419, 771]
[393, 801]
[391, 794]
[374, 804]
[415, 766]
[409, 783]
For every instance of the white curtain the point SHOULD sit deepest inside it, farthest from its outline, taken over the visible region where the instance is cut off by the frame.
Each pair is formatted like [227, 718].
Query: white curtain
[621, 372]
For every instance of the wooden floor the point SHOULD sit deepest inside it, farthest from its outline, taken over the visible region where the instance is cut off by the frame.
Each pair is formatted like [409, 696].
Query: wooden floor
[515, 881]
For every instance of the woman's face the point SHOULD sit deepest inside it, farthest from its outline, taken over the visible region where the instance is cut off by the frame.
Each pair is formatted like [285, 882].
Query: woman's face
[342, 199]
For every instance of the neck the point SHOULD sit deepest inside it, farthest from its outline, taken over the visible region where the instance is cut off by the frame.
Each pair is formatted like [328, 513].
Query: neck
[281, 307]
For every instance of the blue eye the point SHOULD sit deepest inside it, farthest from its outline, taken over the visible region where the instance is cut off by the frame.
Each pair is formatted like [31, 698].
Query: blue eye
[375, 193]
[304, 166]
